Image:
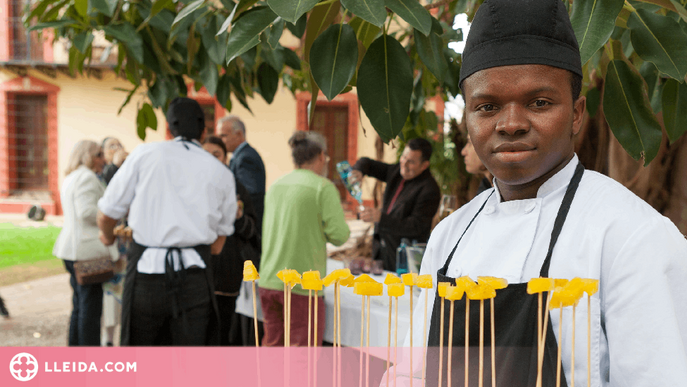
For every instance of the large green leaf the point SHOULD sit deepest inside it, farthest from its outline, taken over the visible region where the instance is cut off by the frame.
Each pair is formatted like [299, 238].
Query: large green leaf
[82, 41]
[246, 31]
[628, 114]
[320, 18]
[215, 45]
[385, 85]
[127, 35]
[366, 32]
[413, 13]
[430, 49]
[291, 10]
[274, 32]
[656, 38]
[189, 9]
[268, 81]
[223, 90]
[81, 7]
[275, 58]
[333, 59]
[106, 7]
[298, 28]
[53, 24]
[291, 59]
[593, 22]
[373, 11]
[146, 118]
[675, 109]
[208, 74]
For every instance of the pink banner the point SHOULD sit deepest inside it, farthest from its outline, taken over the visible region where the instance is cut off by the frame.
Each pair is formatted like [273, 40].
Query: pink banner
[174, 366]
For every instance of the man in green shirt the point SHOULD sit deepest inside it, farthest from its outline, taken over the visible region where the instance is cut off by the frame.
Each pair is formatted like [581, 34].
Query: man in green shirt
[302, 213]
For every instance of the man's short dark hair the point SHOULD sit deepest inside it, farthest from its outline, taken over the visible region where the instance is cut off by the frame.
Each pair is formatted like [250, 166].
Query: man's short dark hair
[423, 146]
[186, 118]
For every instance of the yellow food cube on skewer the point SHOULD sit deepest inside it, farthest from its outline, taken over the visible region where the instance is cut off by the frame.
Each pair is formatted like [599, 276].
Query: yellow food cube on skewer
[562, 298]
[540, 285]
[289, 276]
[311, 280]
[364, 278]
[336, 275]
[480, 292]
[441, 288]
[250, 273]
[409, 278]
[391, 279]
[591, 286]
[465, 282]
[348, 281]
[368, 288]
[560, 282]
[493, 282]
[395, 290]
[424, 281]
[454, 293]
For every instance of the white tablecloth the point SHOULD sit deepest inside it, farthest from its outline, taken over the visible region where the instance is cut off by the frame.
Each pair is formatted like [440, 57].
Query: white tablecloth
[351, 305]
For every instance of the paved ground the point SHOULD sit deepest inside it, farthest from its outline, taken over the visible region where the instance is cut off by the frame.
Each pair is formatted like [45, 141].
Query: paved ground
[40, 309]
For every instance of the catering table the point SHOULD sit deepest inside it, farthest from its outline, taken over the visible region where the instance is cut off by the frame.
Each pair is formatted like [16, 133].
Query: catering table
[351, 305]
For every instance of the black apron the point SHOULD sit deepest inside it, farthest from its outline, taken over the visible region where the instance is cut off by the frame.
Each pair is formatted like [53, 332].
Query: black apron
[174, 280]
[515, 325]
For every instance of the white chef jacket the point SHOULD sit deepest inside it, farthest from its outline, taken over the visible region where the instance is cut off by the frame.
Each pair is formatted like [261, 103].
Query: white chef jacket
[639, 315]
[175, 197]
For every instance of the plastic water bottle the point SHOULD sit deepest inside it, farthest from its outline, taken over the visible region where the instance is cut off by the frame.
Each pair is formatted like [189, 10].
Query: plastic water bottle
[344, 169]
[402, 257]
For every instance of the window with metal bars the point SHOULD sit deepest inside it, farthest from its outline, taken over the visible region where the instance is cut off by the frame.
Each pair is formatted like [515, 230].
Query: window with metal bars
[28, 143]
[24, 45]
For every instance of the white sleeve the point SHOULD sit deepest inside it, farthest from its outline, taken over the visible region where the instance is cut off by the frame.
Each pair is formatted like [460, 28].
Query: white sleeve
[120, 192]
[228, 206]
[644, 310]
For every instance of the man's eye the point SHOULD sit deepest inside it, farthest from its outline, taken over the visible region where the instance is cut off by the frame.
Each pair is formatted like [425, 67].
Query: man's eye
[541, 103]
[486, 108]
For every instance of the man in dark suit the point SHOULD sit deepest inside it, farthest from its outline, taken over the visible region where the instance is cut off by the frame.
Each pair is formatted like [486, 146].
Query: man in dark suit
[246, 163]
[411, 199]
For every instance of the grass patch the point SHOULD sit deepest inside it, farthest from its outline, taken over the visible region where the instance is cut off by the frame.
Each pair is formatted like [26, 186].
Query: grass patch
[31, 271]
[26, 245]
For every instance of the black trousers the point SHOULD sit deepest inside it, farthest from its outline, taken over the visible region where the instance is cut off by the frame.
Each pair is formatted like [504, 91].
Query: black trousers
[87, 308]
[152, 318]
[227, 321]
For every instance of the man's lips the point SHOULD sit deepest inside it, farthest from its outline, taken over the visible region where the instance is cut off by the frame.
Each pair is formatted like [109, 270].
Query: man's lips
[513, 147]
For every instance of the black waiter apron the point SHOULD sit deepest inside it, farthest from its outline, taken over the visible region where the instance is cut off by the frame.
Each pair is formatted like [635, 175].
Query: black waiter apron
[174, 282]
[515, 326]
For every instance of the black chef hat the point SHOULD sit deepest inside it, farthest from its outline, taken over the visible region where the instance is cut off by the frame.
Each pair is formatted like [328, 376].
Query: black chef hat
[185, 118]
[514, 32]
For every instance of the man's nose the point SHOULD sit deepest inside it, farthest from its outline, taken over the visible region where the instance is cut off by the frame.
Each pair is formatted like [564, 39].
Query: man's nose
[513, 120]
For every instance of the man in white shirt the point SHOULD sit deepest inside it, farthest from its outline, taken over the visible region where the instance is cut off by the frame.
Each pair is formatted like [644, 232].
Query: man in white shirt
[181, 203]
[548, 217]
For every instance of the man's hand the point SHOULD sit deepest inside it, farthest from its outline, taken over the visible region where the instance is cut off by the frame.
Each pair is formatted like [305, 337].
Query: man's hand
[106, 226]
[239, 209]
[355, 176]
[371, 214]
[119, 157]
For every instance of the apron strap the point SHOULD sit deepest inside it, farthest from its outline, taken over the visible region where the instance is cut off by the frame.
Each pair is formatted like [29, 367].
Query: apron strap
[450, 256]
[562, 215]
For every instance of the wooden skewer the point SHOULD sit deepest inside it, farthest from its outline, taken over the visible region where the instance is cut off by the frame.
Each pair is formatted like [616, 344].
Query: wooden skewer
[411, 335]
[441, 342]
[338, 329]
[255, 315]
[286, 317]
[493, 347]
[388, 344]
[396, 342]
[589, 341]
[334, 341]
[481, 343]
[289, 313]
[545, 329]
[450, 344]
[560, 339]
[309, 331]
[467, 340]
[315, 342]
[539, 338]
[367, 347]
[572, 362]
[424, 337]
[362, 337]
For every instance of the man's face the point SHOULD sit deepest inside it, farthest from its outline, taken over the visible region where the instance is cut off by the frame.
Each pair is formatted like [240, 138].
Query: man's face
[231, 139]
[521, 120]
[412, 164]
[111, 146]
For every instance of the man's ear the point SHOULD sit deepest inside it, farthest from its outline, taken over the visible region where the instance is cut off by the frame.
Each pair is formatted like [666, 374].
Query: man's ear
[578, 114]
[424, 165]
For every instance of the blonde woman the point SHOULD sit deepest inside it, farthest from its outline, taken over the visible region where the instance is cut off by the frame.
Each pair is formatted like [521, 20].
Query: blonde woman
[79, 241]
